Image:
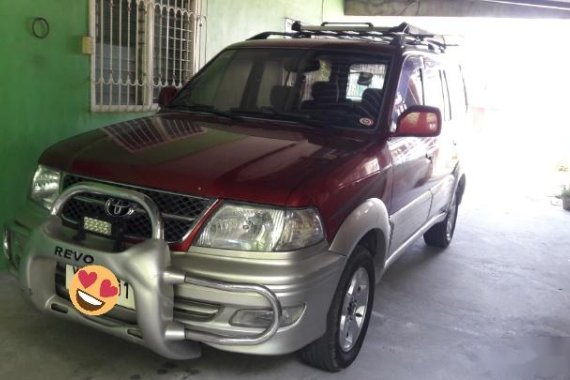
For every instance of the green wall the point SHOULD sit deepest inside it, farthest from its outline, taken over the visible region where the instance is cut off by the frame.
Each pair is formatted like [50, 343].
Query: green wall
[44, 89]
[44, 83]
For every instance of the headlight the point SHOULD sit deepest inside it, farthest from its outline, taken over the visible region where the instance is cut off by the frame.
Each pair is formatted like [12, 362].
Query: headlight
[250, 228]
[45, 186]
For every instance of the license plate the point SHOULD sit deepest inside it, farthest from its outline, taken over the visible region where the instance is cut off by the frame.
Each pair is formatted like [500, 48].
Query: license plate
[126, 292]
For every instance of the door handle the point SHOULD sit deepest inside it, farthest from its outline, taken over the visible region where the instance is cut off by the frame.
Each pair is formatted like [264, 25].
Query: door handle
[429, 156]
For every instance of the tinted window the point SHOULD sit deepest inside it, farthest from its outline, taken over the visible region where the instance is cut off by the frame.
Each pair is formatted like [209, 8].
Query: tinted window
[410, 89]
[361, 77]
[433, 88]
[456, 91]
[445, 88]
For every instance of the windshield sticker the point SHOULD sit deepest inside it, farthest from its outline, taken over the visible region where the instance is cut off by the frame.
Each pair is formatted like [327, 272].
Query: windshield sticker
[366, 121]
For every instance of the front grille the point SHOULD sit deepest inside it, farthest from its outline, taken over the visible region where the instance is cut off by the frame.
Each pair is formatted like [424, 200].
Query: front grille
[179, 212]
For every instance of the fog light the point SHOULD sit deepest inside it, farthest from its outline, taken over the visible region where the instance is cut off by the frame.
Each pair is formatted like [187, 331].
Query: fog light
[100, 227]
[263, 318]
[6, 243]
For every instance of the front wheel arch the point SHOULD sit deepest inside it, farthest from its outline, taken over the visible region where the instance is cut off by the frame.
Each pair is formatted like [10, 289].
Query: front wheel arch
[461, 188]
[368, 224]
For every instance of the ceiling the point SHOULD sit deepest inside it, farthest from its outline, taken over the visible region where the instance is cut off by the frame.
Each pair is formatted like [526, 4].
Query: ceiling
[460, 8]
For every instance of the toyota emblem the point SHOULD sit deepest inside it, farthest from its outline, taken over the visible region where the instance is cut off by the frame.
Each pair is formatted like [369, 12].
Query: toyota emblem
[119, 207]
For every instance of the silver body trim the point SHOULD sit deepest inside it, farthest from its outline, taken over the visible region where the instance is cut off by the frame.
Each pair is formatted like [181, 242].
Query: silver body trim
[139, 265]
[234, 280]
[370, 215]
[181, 278]
[402, 248]
[146, 266]
[407, 220]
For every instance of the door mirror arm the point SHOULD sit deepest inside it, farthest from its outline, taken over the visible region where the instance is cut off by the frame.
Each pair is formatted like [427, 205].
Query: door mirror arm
[166, 95]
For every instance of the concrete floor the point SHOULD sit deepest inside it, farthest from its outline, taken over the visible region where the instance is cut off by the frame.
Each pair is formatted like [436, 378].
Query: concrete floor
[494, 305]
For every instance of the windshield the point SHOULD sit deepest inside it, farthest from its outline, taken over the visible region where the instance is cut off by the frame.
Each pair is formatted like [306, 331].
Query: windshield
[318, 88]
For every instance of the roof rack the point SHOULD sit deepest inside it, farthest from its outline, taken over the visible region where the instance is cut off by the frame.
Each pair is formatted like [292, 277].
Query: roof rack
[401, 35]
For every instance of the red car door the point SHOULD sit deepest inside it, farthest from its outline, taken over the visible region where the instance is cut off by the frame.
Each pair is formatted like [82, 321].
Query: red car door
[412, 167]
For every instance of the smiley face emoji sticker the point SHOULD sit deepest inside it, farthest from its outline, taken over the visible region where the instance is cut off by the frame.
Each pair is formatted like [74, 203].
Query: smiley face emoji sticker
[94, 290]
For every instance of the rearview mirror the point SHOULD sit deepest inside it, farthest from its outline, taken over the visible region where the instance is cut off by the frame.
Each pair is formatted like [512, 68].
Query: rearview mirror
[166, 95]
[312, 65]
[419, 121]
[292, 65]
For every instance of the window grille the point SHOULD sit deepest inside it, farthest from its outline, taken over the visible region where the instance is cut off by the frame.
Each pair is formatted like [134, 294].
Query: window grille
[140, 46]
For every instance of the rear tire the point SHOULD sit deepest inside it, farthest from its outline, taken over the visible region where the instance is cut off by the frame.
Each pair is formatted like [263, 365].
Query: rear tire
[441, 234]
[348, 316]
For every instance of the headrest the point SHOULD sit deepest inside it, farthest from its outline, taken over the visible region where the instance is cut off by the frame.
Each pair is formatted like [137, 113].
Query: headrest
[372, 97]
[325, 92]
[279, 96]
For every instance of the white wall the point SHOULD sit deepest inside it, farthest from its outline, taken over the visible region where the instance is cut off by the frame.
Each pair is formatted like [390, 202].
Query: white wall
[518, 74]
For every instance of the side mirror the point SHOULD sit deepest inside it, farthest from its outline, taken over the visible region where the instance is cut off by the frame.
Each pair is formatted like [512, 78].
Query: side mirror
[166, 95]
[419, 121]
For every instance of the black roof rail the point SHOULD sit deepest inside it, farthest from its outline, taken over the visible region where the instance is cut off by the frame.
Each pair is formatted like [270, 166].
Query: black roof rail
[266, 35]
[409, 29]
[401, 35]
[369, 24]
[339, 27]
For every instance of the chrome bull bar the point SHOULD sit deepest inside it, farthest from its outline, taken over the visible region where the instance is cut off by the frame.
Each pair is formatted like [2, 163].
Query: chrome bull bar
[146, 264]
[180, 278]
[131, 195]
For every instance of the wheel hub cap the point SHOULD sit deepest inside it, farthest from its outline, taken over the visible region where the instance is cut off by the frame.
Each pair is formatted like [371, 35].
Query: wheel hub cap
[353, 312]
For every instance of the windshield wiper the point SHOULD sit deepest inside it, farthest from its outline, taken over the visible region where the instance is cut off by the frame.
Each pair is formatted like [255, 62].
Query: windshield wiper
[299, 117]
[207, 108]
[274, 114]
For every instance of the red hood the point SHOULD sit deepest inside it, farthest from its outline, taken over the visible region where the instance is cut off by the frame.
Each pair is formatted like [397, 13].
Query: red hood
[176, 152]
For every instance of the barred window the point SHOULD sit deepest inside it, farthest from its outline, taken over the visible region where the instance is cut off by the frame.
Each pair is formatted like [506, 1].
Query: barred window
[140, 46]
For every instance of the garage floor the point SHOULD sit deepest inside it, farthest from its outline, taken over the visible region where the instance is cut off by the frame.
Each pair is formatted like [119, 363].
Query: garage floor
[495, 305]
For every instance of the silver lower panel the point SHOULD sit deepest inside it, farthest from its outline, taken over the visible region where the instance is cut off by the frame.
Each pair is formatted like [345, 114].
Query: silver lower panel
[308, 277]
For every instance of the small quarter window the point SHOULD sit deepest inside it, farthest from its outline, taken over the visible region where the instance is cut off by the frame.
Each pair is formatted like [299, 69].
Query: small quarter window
[456, 91]
[410, 89]
[363, 76]
[433, 87]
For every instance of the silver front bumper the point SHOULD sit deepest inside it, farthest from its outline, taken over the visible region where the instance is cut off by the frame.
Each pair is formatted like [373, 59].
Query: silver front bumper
[154, 273]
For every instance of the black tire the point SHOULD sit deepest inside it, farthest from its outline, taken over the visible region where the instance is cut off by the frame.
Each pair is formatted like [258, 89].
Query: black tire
[441, 234]
[326, 353]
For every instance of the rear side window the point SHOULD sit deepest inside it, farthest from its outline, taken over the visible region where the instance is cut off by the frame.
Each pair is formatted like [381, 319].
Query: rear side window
[434, 89]
[456, 91]
[362, 77]
[310, 78]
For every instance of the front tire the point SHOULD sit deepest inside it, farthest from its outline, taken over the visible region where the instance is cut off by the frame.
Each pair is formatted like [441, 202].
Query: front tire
[348, 316]
[440, 234]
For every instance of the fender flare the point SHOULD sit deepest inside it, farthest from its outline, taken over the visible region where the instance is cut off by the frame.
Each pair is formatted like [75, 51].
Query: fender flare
[460, 182]
[371, 215]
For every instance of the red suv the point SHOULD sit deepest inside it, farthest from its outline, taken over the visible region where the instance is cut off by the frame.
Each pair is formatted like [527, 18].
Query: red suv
[256, 211]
